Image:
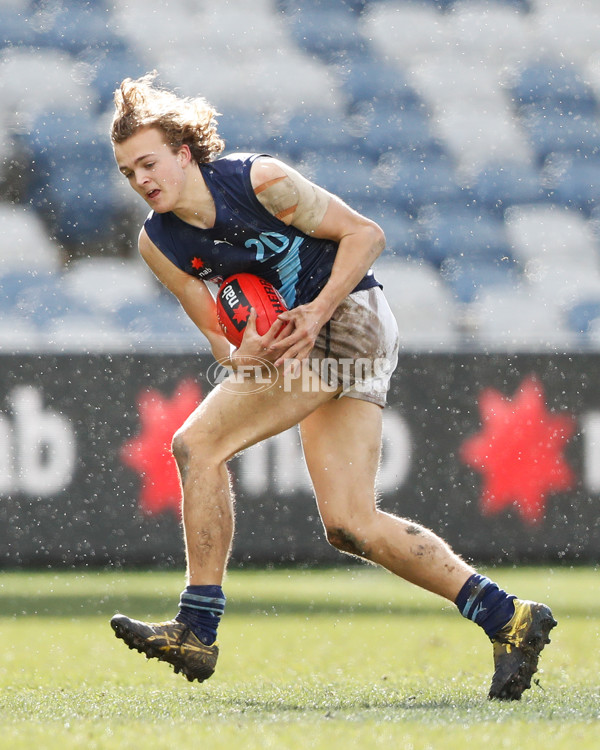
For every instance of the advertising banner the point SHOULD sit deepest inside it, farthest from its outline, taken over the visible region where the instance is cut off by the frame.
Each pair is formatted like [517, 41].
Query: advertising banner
[499, 455]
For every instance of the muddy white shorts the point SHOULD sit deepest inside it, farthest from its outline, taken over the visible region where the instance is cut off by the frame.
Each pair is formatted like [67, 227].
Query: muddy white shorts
[357, 349]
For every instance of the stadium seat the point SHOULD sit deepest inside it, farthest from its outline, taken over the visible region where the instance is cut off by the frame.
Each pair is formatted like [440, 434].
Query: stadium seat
[161, 324]
[46, 302]
[514, 320]
[408, 184]
[404, 32]
[76, 25]
[452, 232]
[581, 316]
[244, 131]
[474, 137]
[19, 335]
[24, 243]
[102, 284]
[551, 235]
[579, 24]
[74, 182]
[494, 32]
[316, 132]
[17, 282]
[471, 277]
[368, 78]
[503, 184]
[553, 132]
[16, 29]
[388, 128]
[555, 86]
[85, 333]
[422, 304]
[25, 92]
[108, 68]
[325, 31]
[347, 177]
[575, 180]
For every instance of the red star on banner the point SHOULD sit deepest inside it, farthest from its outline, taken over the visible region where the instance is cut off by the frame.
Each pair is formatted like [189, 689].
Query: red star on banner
[197, 263]
[150, 452]
[519, 451]
[241, 313]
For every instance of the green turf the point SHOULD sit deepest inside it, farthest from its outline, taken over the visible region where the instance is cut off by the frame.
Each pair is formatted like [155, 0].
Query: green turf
[310, 659]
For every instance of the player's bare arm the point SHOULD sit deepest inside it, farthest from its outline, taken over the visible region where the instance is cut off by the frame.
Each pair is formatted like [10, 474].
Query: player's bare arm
[295, 200]
[193, 295]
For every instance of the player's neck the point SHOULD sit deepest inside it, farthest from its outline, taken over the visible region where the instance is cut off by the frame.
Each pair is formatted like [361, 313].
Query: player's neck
[196, 205]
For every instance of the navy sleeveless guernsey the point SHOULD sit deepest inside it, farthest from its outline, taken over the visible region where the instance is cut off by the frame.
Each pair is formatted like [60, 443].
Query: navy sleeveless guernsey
[246, 238]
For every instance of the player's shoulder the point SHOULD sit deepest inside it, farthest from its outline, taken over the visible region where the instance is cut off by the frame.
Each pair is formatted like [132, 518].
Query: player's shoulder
[265, 168]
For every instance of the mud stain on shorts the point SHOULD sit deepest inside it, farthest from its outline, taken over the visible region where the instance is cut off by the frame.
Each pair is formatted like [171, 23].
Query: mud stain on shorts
[356, 336]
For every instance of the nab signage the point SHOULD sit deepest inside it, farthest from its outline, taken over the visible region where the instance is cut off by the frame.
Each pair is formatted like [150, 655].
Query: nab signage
[498, 454]
[38, 445]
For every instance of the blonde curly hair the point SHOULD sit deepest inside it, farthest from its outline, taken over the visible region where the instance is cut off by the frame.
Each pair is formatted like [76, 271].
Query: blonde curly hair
[140, 103]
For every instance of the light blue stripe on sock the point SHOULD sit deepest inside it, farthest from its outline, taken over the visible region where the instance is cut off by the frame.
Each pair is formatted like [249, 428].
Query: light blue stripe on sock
[473, 598]
[215, 606]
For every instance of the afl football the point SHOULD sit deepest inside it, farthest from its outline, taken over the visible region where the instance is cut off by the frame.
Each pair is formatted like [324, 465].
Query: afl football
[235, 298]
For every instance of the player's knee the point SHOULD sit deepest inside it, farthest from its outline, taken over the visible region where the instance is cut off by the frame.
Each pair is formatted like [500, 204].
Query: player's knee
[345, 540]
[194, 444]
[180, 449]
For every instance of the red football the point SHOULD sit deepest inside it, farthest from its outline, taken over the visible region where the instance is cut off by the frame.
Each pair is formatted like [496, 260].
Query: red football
[240, 292]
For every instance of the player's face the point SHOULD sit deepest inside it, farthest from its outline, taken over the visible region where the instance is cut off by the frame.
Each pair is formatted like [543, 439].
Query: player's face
[153, 169]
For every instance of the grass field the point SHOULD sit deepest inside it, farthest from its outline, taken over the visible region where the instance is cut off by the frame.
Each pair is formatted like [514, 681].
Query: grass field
[335, 658]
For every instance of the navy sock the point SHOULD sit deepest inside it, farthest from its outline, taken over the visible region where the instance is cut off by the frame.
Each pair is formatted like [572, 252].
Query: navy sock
[483, 602]
[200, 608]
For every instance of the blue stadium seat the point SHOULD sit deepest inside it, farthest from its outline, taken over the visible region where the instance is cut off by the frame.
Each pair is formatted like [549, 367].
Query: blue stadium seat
[16, 283]
[45, 302]
[419, 182]
[326, 31]
[554, 86]
[73, 184]
[245, 131]
[500, 186]
[347, 177]
[75, 27]
[78, 25]
[469, 278]
[109, 68]
[553, 131]
[16, 29]
[394, 129]
[581, 315]
[157, 321]
[315, 6]
[311, 133]
[367, 78]
[451, 232]
[575, 181]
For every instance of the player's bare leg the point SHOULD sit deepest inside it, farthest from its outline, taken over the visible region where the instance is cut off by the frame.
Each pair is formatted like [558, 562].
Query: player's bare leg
[230, 419]
[342, 443]
[233, 417]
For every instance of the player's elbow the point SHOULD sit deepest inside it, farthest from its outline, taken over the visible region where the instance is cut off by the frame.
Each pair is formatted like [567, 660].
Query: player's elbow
[376, 237]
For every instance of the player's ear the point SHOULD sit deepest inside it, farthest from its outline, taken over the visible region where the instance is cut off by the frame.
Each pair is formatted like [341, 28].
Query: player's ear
[184, 155]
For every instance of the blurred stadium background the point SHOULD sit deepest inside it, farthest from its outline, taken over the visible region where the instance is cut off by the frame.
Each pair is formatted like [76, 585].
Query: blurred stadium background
[468, 129]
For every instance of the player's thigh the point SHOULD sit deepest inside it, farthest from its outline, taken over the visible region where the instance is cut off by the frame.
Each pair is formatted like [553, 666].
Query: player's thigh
[236, 415]
[342, 448]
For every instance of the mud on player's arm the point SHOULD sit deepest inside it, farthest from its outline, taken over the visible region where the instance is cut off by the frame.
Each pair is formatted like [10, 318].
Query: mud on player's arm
[295, 200]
